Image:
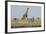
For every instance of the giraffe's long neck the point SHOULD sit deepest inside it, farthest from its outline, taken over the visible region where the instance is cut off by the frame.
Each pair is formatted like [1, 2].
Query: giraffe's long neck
[27, 12]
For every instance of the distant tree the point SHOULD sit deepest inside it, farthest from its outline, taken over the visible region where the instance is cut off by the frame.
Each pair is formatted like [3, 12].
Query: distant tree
[38, 18]
[32, 19]
[14, 18]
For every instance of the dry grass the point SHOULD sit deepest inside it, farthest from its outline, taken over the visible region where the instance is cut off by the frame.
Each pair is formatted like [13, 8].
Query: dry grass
[27, 23]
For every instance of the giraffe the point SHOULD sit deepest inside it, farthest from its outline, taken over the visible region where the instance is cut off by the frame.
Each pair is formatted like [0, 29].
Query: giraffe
[25, 15]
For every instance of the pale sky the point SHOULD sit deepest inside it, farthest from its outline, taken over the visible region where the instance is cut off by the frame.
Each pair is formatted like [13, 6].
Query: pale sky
[18, 11]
